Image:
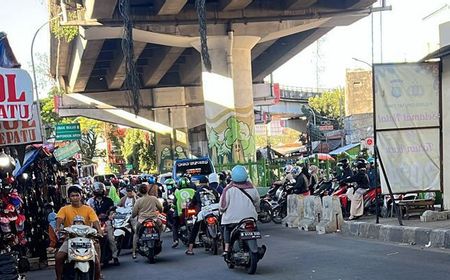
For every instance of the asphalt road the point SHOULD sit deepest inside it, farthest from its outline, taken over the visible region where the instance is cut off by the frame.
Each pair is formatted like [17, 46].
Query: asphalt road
[291, 254]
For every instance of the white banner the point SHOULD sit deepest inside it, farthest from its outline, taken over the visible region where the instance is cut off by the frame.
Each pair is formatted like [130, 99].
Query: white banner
[16, 94]
[21, 132]
[411, 160]
[406, 95]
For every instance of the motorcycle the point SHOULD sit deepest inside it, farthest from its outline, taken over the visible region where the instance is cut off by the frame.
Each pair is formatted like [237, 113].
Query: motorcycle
[187, 222]
[80, 263]
[123, 232]
[279, 207]
[212, 235]
[244, 247]
[105, 250]
[149, 242]
[265, 210]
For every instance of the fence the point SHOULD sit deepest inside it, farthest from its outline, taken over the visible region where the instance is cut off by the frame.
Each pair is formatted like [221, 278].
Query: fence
[261, 173]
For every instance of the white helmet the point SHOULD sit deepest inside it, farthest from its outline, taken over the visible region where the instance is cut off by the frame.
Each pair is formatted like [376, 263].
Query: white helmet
[288, 168]
[213, 178]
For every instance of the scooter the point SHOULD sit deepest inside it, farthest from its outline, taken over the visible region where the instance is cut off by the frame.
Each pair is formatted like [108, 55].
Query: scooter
[123, 232]
[149, 242]
[80, 263]
[212, 235]
[244, 246]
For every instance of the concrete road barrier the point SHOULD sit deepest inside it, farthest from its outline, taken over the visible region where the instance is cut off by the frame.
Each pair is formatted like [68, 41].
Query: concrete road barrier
[312, 213]
[295, 210]
[332, 215]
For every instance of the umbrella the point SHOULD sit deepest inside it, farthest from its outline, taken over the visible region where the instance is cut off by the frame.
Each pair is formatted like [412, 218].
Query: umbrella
[321, 156]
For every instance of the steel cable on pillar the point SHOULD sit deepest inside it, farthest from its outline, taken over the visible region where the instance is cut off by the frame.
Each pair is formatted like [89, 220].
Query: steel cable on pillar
[132, 83]
[201, 13]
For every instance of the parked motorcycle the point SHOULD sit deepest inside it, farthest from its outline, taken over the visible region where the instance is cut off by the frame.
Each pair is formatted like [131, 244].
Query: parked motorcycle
[265, 210]
[279, 207]
[244, 246]
[80, 263]
[123, 232]
[149, 242]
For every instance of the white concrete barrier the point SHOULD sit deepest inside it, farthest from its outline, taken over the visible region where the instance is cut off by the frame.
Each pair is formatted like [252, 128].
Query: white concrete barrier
[332, 218]
[295, 210]
[312, 213]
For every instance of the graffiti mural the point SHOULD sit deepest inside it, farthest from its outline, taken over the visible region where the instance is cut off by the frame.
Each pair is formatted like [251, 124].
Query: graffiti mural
[232, 141]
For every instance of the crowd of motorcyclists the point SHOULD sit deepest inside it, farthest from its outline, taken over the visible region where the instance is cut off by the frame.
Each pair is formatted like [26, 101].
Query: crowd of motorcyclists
[226, 200]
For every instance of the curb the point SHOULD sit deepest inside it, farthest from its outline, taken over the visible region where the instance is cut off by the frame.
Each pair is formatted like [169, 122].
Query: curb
[436, 238]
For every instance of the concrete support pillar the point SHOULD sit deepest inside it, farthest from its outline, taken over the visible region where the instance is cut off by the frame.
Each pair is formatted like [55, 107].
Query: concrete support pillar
[175, 145]
[228, 97]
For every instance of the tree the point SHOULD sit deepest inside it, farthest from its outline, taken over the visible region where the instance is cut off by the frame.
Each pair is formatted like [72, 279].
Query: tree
[90, 131]
[330, 104]
[139, 150]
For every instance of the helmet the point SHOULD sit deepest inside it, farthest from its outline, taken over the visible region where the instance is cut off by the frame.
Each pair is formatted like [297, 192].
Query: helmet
[222, 176]
[169, 181]
[129, 189]
[344, 161]
[288, 168]
[295, 171]
[151, 180]
[99, 188]
[78, 219]
[183, 183]
[239, 174]
[361, 164]
[203, 180]
[213, 178]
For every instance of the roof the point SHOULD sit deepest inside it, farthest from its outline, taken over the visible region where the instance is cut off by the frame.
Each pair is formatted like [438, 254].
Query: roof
[343, 149]
[444, 51]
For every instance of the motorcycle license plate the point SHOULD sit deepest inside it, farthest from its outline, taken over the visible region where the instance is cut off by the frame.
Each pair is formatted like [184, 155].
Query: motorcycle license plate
[250, 235]
[81, 245]
[151, 236]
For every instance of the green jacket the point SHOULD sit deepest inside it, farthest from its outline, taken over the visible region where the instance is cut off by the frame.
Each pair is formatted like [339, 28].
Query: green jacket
[182, 196]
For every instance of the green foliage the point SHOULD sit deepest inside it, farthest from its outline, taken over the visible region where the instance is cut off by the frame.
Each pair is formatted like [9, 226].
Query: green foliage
[329, 104]
[288, 136]
[49, 116]
[139, 150]
[65, 32]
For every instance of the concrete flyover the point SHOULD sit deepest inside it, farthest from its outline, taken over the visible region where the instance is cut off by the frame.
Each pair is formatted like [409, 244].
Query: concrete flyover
[247, 40]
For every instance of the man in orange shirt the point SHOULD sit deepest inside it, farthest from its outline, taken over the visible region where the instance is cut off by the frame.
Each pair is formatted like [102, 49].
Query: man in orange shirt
[66, 216]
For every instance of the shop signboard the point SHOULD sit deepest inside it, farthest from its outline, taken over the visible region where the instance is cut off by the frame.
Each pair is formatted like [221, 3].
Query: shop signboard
[67, 151]
[68, 131]
[21, 132]
[16, 95]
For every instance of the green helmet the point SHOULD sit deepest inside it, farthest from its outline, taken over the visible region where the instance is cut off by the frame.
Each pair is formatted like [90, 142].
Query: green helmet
[183, 183]
[169, 181]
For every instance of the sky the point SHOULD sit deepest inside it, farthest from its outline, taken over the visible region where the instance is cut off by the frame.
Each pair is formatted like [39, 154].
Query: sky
[406, 36]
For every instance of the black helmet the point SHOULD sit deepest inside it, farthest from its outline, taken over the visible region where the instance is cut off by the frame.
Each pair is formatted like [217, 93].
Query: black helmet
[203, 180]
[361, 164]
[99, 188]
[130, 188]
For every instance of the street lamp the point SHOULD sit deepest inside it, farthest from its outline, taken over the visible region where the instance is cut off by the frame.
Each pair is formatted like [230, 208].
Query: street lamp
[362, 61]
[34, 71]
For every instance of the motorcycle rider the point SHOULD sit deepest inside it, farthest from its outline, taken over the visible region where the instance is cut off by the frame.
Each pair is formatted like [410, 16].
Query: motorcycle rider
[214, 183]
[66, 216]
[184, 193]
[346, 169]
[129, 199]
[102, 205]
[148, 206]
[204, 196]
[302, 182]
[239, 200]
[357, 195]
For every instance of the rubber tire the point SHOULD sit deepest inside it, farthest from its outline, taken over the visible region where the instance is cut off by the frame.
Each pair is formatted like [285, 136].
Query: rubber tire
[230, 265]
[276, 217]
[265, 208]
[119, 244]
[81, 276]
[151, 256]
[215, 246]
[251, 268]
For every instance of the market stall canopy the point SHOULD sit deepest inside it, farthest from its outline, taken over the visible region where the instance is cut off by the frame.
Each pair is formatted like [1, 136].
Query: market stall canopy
[7, 58]
[30, 157]
[290, 149]
[321, 156]
[344, 149]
